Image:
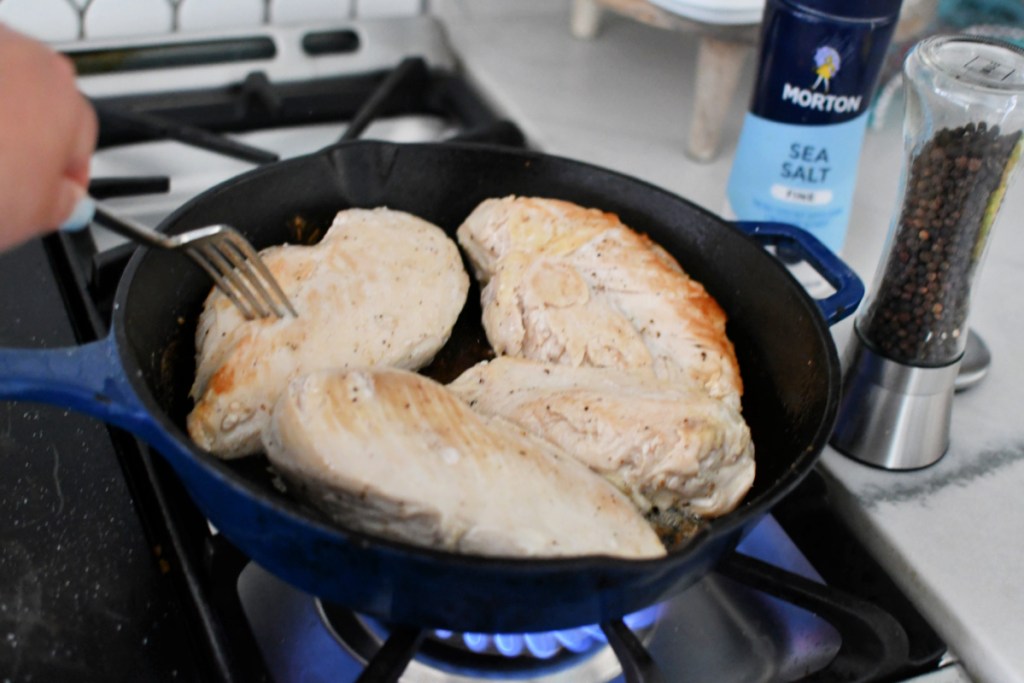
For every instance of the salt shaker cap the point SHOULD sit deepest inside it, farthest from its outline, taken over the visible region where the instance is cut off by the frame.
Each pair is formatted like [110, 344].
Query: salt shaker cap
[864, 10]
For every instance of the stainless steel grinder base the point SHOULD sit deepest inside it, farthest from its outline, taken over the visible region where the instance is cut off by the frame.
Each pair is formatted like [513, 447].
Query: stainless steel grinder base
[892, 415]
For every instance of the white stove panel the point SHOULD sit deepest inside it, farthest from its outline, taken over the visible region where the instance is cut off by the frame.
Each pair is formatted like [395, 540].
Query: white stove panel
[87, 20]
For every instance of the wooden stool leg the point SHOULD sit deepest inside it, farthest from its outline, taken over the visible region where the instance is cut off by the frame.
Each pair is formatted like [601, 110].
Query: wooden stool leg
[586, 18]
[719, 64]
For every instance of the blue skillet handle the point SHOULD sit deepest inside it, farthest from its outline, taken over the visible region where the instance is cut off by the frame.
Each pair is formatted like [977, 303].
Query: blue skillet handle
[88, 378]
[849, 288]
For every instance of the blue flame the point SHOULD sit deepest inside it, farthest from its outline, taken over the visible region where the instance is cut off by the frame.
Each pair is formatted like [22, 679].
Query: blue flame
[509, 644]
[547, 644]
[477, 642]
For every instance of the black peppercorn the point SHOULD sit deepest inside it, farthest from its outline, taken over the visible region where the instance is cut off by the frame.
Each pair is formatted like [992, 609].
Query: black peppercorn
[918, 313]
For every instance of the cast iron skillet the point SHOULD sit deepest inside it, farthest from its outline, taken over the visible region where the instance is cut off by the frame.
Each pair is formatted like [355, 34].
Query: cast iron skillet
[138, 378]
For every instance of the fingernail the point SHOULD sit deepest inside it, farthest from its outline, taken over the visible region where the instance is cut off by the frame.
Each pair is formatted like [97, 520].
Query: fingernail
[81, 215]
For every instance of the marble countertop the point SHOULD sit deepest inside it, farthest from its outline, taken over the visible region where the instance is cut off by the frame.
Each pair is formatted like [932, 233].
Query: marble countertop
[951, 534]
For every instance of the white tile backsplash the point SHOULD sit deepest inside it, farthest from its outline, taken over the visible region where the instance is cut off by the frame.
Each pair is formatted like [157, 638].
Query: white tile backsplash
[388, 8]
[68, 20]
[50, 20]
[206, 15]
[310, 11]
[110, 18]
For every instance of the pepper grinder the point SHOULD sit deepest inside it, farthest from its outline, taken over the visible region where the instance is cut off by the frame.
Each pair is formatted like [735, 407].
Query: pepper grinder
[962, 141]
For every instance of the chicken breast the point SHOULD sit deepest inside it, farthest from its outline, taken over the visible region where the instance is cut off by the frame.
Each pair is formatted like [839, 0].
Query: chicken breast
[666, 445]
[575, 286]
[396, 454]
[382, 288]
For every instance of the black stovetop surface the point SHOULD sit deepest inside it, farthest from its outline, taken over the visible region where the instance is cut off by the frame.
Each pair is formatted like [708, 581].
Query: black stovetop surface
[85, 594]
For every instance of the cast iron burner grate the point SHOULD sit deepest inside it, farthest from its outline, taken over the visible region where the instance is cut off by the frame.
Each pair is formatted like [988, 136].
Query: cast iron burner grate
[521, 655]
[387, 651]
[877, 644]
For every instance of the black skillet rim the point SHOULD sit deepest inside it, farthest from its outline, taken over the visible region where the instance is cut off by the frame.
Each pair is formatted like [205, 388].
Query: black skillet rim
[740, 520]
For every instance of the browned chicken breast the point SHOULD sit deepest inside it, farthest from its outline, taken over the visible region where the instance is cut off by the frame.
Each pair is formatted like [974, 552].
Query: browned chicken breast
[395, 454]
[575, 286]
[669, 445]
[382, 288]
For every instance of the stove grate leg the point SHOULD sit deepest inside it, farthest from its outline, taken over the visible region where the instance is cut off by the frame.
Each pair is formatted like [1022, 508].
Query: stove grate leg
[390, 661]
[637, 665]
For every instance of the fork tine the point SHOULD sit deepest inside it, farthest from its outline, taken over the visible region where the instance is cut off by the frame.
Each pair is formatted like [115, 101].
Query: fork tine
[226, 280]
[216, 253]
[224, 254]
[239, 274]
[252, 266]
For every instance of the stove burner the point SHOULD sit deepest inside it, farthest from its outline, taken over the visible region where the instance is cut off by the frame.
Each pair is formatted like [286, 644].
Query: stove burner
[547, 644]
[512, 655]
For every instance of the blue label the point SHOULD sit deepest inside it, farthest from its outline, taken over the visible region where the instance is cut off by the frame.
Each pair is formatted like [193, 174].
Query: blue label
[817, 69]
[804, 175]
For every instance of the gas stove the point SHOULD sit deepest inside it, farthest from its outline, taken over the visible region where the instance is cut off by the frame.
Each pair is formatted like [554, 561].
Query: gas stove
[109, 572]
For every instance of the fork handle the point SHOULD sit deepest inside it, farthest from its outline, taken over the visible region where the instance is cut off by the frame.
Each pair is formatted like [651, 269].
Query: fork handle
[88, 210]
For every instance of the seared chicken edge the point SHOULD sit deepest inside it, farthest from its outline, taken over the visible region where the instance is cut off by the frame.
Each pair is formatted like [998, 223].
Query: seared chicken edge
[668, 445]
[573, 286]
[383, 287]
[395, 454]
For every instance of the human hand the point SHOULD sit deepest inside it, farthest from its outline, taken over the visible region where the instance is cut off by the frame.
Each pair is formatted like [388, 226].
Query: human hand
[47, 136]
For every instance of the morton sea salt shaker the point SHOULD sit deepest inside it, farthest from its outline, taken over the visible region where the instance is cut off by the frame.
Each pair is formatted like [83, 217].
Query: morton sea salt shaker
[799, 150]
[962, 138]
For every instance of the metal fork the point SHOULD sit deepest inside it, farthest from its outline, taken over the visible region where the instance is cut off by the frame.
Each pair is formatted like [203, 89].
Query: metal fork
[220, 250]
